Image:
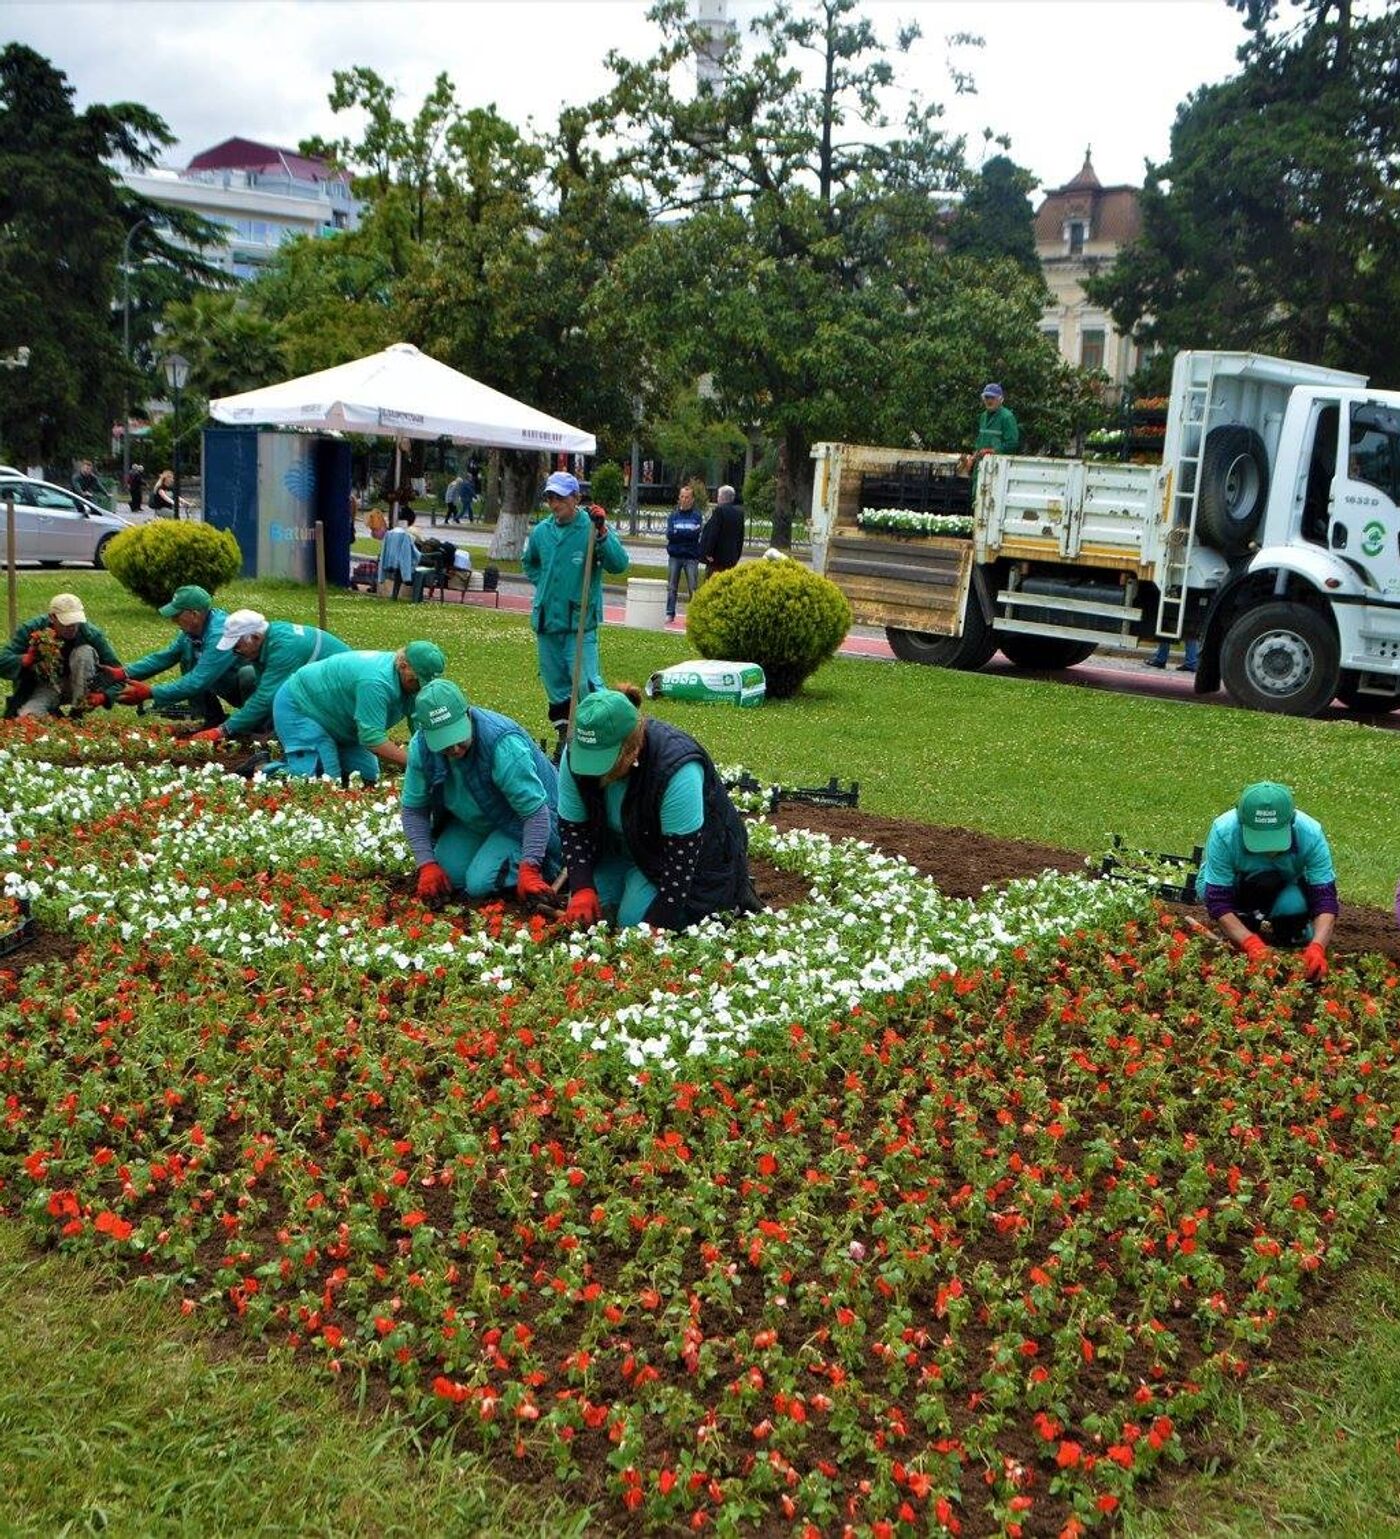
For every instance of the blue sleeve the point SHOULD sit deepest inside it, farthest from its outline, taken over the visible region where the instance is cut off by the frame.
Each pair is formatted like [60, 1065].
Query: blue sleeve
[614, 558]
[208, 673]
[155, 662]
[1318, 870]
[1218, 864]
[571, 808]
[683, 801]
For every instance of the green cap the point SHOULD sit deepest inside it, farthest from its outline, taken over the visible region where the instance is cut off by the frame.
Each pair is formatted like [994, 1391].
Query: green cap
[440, 714]
[191, 596]
[426, 660]
[1266, 817]
[602, 724]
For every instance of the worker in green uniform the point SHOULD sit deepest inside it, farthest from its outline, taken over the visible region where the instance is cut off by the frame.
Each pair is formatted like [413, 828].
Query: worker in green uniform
[1267, 864]
[333, 717]
[52, 660]
[554, 561]
[274, 650]
[209, 678]
[478, 803]
[648, 829]
[997, 429]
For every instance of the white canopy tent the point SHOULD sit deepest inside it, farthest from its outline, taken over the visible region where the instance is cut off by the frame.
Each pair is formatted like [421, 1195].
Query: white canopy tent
[404, 393]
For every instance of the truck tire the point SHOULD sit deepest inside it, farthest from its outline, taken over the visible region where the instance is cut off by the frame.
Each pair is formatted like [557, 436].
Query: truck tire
[1234, 487]
[1281, 657]
[968, 652]
[1044, 653]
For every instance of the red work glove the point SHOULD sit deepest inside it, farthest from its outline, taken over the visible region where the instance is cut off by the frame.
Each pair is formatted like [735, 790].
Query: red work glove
[114, 671]
[96, 698]
[583, 908]
[599, 516]
[434, 884]
[1254, 948]
[1314, 962]
[531, 887]
[134, 693]
[209, 735]
[30, 658]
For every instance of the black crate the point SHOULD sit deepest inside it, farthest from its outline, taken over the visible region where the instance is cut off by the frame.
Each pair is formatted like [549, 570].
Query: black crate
[832, 794]
[1123, 864]
[12, 940]
[917, 488]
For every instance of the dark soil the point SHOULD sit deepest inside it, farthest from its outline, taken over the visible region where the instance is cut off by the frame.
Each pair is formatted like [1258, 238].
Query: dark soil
[963, 862]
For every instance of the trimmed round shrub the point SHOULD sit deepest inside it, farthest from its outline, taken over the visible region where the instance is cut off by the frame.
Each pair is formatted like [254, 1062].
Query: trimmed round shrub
[152, 560]
[606, 486]
[777, 614]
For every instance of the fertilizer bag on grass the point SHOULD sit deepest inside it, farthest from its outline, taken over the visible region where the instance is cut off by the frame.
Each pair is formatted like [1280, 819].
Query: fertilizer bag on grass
[715, 683]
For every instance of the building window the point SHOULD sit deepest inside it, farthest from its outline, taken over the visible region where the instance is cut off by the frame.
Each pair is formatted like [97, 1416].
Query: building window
[1091, 345]
[1077, 231]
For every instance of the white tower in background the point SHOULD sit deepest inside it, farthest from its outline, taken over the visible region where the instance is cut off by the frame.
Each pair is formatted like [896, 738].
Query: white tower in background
[712, 16]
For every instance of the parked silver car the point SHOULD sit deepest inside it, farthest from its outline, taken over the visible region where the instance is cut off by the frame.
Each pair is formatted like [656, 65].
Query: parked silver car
[53, 525]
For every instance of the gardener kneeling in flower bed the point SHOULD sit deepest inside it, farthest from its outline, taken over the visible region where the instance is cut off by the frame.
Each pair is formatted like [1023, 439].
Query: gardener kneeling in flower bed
[208, 676]
[478, 803]
[1268, 863]
[333, 717]
[274, 650]
[52, 659]
[648, 829]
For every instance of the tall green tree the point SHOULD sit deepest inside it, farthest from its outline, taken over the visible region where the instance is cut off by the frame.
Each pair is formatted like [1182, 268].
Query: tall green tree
[815, 222]
[1274, 224]
[64, 218]
[995, 217]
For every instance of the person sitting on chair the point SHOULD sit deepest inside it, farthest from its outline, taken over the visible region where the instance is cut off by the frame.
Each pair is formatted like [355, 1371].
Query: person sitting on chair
[398, 560]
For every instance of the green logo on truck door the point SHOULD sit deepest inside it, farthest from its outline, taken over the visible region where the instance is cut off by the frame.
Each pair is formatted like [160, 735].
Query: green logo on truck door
[1372, 538]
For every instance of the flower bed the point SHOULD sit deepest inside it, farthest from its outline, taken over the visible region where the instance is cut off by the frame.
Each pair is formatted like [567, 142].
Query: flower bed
[890, 1212]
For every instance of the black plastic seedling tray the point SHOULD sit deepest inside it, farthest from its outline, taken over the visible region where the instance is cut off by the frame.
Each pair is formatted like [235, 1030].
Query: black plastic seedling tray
[1125, 864]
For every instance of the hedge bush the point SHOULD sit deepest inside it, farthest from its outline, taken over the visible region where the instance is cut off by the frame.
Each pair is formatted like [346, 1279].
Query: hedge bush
[152, 560]
[606, 486]
[774, 613]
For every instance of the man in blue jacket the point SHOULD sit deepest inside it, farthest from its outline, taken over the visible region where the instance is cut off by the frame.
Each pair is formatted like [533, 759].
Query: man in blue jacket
[554, 561]
[683, 526]
[208, 676]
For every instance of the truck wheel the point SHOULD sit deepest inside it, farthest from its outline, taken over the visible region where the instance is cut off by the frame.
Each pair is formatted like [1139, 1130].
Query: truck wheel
[968, 652]
[1234, 487]
[1349, 693]
[1281, 657]
[1044, 653]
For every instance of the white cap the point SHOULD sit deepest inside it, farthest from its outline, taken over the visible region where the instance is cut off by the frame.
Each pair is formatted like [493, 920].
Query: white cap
[67, 609]
[241, 623]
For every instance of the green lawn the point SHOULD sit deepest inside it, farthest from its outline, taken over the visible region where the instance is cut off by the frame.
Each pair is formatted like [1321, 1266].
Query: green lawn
[111, 1416]
[1016, 757]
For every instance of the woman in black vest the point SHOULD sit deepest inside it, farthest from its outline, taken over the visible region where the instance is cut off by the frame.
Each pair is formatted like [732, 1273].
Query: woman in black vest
[648, 829]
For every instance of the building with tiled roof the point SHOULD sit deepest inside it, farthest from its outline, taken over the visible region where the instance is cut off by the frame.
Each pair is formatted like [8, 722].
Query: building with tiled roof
[261, 195]
[1079, 230]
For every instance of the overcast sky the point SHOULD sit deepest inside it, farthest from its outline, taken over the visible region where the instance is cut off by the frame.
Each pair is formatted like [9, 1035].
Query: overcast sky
[1055, 75]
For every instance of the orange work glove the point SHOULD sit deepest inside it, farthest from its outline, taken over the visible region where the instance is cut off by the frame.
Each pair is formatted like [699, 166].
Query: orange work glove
[583, 907]
[114, 671]
[1254, 948]
[209, 735]
[1314, 962]
[531, 887]
[96, 698]
[434, 884]
[134, 693]
[30, 658]
[599, 515]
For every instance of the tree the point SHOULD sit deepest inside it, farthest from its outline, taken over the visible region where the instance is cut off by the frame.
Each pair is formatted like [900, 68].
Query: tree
[230, 345]
[1273, 224]
[778, 282]
[995, 217]
[64, 216]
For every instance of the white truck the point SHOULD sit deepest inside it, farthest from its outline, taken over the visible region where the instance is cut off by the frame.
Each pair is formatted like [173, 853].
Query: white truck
[1270, 533]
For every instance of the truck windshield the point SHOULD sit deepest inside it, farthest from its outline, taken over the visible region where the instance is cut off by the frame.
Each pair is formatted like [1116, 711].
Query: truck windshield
[1374, 456]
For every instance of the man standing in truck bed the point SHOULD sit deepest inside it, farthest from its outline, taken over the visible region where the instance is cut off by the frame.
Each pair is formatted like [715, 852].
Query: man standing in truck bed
[997, 429]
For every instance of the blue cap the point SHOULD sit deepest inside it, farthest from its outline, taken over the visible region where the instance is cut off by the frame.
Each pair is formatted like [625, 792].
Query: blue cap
[562, 484]
[995, 391]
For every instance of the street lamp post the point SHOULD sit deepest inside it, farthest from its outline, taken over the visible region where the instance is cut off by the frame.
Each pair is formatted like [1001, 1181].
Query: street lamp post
[126, 351]
[177, 371]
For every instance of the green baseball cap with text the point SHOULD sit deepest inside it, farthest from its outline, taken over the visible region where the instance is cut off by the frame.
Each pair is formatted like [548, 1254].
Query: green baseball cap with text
[191, 596]
[603, 721]
[1266, 817]
[440, 714]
